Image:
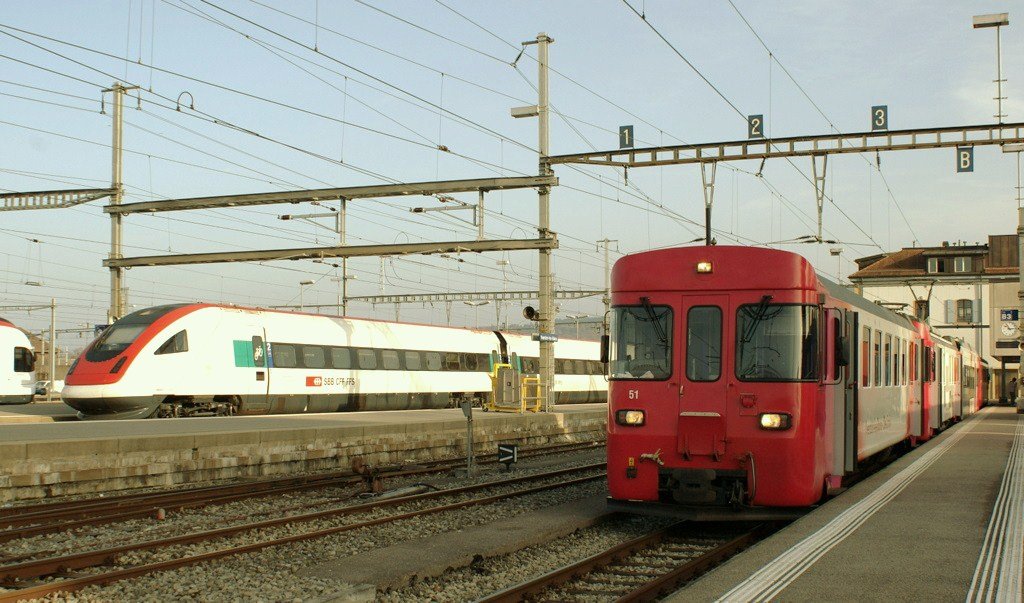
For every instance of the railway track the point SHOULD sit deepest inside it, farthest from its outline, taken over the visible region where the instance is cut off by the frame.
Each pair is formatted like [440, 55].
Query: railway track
[35, 520]
[36, 578]
[642, 569]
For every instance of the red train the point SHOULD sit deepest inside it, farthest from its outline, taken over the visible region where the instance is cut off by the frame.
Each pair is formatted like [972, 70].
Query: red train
[740, 379]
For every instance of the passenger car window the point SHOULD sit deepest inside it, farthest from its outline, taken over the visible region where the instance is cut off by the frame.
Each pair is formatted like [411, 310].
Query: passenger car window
[284, 355]
[389, 360]
[433, 361]
[341, 358]
[312, 356]
[412, 361]
[367, 359]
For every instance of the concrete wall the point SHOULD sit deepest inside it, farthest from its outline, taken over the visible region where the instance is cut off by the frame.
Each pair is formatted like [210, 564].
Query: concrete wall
[38, 469]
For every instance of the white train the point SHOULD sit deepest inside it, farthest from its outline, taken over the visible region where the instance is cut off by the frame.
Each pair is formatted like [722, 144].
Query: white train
[17, 379]
[206, 359]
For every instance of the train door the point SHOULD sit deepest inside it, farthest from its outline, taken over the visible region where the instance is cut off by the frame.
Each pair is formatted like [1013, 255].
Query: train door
[833, 386]
[851, 328]
[700, 381]
[254, 368]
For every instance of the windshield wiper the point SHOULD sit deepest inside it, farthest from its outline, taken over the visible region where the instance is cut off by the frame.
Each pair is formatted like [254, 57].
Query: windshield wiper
[646, 301]
[759, 312]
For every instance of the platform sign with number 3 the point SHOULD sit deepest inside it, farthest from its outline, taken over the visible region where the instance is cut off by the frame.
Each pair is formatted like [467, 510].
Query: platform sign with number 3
[755, 126]
[880, 117]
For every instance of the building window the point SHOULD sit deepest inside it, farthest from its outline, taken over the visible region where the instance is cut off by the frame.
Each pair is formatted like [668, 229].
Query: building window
[962, 264]
[936, 265]
[964, 311]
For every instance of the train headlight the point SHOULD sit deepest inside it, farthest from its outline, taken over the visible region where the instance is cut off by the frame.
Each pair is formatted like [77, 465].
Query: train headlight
[775, 421]
[630, 417]
[704, 267]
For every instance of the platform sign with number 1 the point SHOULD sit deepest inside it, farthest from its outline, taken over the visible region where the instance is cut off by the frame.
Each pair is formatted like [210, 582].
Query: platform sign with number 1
[625, 137]
[755, 126]
[880, 117]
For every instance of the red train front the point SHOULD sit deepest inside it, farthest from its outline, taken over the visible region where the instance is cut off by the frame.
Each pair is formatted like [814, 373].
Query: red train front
[717, 395]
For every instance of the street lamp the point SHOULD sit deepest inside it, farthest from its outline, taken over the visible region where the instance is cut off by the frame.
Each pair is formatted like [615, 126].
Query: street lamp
[1018, 148]
[996, 20]
[837, 252]
[302, 286]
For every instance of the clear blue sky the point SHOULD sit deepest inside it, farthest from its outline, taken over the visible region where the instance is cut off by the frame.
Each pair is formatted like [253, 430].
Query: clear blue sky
[921, 59]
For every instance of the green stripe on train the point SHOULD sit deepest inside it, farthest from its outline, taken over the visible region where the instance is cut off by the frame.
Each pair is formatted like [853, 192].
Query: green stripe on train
[243, 353]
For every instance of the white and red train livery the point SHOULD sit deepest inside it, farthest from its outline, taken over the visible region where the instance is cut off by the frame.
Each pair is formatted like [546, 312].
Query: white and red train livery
[17, 363]
[739, 379]
[193, 359]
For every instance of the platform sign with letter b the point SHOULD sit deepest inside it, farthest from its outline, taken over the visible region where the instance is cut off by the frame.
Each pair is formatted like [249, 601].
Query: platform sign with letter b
[965, 159]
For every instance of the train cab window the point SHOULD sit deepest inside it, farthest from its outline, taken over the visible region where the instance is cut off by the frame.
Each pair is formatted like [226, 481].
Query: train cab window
[876, 353]
[366, 359]
[313, 356]
[777, 342]
[177, 343]
[118, 336]
[433, 360]
[641, 342]
[24, 360]
[341, 358]
[285, 355]
[413, 361]
[865, 364]
[389, 360]
[704, 343]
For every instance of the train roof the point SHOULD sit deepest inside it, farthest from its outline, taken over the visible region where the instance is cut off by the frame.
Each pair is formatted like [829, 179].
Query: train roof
[189, 308]
[733, 267]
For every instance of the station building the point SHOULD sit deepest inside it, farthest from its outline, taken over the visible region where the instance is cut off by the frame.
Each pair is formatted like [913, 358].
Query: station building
[967, 291]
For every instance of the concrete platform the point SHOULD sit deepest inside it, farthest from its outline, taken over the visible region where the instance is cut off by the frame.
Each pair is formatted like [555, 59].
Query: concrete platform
[48, 459]
[943, 523]
[37, 412]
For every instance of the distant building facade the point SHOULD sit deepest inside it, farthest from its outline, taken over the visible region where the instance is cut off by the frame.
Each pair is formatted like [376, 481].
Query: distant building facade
[964, 291]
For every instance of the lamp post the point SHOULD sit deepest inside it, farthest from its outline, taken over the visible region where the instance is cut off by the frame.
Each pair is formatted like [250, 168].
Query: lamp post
[302, 286]
[996, 20]
[1019, 402]
[837, 253]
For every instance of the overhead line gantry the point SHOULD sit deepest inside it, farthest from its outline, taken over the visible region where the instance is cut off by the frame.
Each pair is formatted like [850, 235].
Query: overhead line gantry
[817, 147]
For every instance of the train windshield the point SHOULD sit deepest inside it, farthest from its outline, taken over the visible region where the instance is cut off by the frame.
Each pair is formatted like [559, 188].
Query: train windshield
[122, 333]
[776, 342]
[641, 342]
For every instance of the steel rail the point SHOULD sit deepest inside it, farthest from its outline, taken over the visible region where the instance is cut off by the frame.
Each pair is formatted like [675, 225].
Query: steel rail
[71, 562]
[52, 565]
[659, 585]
